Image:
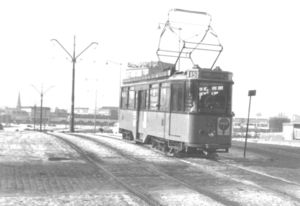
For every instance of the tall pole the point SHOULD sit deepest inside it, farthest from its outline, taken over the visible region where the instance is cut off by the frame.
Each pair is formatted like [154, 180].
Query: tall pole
[250, 94]
[74, 58]
[41, 109]
[247, 128]
[120, 79]
[179, 50]
[73, 90]
[95, 110]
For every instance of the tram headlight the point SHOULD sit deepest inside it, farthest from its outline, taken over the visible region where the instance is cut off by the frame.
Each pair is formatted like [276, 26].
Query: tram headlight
[201, 132]
[211, 133]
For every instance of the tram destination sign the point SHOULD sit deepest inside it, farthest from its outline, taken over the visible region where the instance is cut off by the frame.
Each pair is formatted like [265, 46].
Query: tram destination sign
[208, 75]
[213, 75]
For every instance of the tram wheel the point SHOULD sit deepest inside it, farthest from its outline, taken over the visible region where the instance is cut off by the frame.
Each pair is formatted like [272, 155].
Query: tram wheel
[153, 143]
[165, 147]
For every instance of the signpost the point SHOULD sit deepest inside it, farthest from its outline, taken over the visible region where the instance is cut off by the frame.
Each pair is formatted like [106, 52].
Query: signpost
[250, 94]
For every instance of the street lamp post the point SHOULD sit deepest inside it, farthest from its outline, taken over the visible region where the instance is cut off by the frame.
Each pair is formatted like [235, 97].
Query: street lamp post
[95, 114]
[41, 109]
[74, 58]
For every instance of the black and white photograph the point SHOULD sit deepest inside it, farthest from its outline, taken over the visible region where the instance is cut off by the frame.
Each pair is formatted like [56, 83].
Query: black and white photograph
[139, 103]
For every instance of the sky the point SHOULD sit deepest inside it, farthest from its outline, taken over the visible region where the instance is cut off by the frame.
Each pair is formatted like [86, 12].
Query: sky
[261, 41]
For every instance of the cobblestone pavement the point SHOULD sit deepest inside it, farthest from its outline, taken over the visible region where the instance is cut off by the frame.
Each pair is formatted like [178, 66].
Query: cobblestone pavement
[51, 178]
[38, 169]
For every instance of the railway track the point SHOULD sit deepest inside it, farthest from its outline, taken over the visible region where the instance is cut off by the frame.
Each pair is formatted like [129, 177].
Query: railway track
[223, 161]
[230, 175]
[145, 167]
[92, 160]
[249, 176]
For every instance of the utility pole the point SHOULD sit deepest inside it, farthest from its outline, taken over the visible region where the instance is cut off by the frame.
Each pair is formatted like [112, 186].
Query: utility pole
[74, 58]
[41, 109]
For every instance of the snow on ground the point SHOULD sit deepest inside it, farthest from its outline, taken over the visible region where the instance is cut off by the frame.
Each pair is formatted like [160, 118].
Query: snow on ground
[27, 146]
[110, 199]
[244, 196]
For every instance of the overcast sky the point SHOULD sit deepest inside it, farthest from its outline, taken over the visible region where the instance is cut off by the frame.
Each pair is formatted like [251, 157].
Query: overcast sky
[261, 41]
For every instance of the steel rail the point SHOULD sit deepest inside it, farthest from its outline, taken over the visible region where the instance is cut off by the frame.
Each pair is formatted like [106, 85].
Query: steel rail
[154, 169]
[246, 182]
[89, 159]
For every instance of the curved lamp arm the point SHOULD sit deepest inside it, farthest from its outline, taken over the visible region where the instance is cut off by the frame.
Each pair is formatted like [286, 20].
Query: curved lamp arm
[48, 89]
[62, 47]
[86, 49]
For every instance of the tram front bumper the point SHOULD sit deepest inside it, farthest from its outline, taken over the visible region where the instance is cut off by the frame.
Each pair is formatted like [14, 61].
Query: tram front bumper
[208, 146]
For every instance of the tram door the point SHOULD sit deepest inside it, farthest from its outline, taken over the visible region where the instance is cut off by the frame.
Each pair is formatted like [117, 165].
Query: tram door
[140, 119]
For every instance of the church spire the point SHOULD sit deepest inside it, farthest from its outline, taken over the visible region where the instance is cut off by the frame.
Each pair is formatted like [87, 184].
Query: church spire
[19, 102]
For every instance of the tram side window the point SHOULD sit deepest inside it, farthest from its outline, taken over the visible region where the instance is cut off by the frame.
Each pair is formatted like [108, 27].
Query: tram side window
[191, 93]
[136, 99]
[164, 99]
[144, 100]
[131, 99]
[154, 97]
[124, 98]
[177, 97]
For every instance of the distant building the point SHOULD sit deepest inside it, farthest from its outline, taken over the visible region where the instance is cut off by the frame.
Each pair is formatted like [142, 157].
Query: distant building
[109, 111]
[256, 125]
[291, 131]
[34, 114]
[59, 116]
[105, 116]
[276, 123]
[295, 118]
[4, 117]
[81, 110]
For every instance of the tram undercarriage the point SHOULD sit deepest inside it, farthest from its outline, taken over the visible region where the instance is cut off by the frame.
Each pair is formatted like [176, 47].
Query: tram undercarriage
[178, 149]
[173, 148]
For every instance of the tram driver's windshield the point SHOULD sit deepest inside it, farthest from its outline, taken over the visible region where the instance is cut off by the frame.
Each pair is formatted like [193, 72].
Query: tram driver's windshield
[207, 97]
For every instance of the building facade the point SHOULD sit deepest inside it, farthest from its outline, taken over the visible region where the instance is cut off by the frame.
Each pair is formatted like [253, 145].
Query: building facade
[256, 126]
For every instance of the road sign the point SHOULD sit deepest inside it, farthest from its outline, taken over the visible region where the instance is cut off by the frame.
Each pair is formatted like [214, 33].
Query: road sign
[252, 93]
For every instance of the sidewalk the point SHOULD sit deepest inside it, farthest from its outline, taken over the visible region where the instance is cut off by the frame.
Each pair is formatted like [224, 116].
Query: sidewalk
[38, 169]
[37, 163]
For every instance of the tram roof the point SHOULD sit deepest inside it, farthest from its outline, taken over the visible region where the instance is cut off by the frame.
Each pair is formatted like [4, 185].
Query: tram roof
[200, 74]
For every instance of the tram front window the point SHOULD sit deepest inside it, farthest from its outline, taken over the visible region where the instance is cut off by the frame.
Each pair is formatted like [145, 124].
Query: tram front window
[212, 96]
[206, 97]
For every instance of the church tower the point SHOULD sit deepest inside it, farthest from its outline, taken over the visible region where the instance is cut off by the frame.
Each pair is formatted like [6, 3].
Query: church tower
[19, 102]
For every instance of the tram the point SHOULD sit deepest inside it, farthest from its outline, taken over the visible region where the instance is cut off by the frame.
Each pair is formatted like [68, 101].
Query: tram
[187, 111]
